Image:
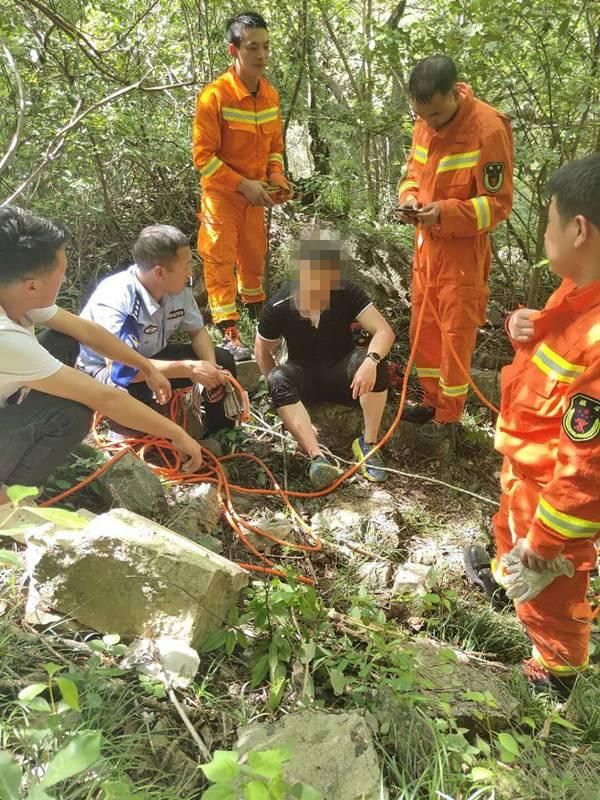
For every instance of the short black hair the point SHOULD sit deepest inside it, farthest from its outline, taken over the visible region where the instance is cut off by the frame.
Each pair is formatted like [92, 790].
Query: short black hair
[322, 248]
[430, 76]
[238, 25]
[158, 244]
[576, 189]
[28, 244]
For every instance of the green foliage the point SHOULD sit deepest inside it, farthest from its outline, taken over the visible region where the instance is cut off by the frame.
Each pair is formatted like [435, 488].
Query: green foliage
[257, 776]
[64, 754]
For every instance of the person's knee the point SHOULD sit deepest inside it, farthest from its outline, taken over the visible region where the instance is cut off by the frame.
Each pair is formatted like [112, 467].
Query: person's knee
[357, 359]
[81, 421]
[282, 386]
[225, 359]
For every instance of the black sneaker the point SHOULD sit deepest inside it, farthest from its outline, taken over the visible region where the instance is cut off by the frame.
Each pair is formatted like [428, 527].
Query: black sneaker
[478, 569]
[417, 414]
[232, 342]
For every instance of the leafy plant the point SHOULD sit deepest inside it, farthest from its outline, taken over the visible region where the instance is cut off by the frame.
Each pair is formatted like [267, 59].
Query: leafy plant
[46, 707]
[257, 776]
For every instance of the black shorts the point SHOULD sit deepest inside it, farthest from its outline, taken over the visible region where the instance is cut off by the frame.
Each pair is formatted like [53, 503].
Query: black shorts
[321, 381]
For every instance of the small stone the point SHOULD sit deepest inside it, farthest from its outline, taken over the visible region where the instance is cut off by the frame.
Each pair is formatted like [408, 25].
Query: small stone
[413, 578]
[195, 511]
[375, 575]
[278, 525]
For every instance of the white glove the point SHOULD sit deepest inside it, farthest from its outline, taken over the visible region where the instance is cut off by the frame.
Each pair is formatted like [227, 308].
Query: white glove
[523, 584]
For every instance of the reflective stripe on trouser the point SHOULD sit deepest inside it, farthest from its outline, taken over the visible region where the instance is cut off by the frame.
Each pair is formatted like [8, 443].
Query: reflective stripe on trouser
[232, 233]
[558, 619]
[461, 310]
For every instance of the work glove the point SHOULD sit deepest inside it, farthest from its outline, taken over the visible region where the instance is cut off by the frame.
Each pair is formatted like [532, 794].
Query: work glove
[523, 584]
[233, 403]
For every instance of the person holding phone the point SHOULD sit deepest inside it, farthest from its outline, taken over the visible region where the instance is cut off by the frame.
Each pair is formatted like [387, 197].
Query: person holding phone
[456, 190]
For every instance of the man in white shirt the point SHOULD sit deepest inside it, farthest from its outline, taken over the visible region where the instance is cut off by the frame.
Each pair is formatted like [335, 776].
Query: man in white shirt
[45, 404]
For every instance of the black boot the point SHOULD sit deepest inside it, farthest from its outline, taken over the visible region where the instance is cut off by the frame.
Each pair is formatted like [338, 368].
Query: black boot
[418, 414]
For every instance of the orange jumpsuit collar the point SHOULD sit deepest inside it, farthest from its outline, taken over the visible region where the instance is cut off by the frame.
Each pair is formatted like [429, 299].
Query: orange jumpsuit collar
[240, 89]
[464, 113]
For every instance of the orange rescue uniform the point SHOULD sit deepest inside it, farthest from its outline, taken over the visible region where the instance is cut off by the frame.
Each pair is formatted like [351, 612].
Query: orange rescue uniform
[465, 167]
[235, 135]
[549, 434]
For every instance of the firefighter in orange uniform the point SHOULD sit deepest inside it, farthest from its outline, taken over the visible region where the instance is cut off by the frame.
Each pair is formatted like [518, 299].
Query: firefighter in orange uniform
[549, 432]
[457, 188]
[238, 149]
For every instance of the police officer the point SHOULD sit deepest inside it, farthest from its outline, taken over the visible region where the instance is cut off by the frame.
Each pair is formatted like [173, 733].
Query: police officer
[144, 306]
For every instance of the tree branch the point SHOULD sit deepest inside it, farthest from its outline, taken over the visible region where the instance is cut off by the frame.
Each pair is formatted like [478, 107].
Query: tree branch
[340, 52]
[58, 142]
[14, 142]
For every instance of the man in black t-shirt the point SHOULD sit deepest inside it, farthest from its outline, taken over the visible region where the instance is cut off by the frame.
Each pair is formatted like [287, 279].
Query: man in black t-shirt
[314, 313]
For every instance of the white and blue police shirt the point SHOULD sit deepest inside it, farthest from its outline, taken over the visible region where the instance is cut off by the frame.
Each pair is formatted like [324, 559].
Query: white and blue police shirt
[122, 305]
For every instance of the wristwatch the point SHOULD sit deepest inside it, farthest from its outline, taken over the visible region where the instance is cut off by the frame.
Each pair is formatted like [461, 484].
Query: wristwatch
[374, 356]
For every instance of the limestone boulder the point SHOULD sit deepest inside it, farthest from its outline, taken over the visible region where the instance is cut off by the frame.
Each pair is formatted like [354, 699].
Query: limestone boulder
[127, 575]
[333, 753]
[130, 484]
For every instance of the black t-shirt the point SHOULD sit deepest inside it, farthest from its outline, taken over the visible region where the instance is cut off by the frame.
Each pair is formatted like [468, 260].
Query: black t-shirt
[331, 340]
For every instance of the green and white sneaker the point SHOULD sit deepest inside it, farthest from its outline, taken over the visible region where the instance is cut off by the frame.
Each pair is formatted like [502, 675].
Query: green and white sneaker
[322, 472]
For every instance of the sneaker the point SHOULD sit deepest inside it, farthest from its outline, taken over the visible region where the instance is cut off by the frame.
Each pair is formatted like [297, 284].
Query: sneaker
[232, 342]
[417, 413]
[322, 472]
[542, 680]
[374, 468]
[478, 569]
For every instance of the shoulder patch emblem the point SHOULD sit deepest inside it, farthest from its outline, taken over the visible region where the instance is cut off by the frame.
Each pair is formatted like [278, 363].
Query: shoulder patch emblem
[581, 422]
[150, 329]
[493, 175]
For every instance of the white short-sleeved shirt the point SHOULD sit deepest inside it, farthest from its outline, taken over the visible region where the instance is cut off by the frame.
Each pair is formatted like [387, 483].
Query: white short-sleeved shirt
[123, 295]
[22, 357]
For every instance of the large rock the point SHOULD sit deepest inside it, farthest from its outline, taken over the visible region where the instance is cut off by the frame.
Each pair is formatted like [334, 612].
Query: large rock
[130, 484]
[127, 575]
[334, 753]
[478, 691]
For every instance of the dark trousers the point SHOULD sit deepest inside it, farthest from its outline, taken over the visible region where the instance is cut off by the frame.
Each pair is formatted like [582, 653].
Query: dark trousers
[214, 415]
[38, 434]
[327, 381]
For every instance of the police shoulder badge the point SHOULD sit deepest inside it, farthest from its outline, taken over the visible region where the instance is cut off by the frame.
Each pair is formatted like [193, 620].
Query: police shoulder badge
[581, 423]
[493, 175]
